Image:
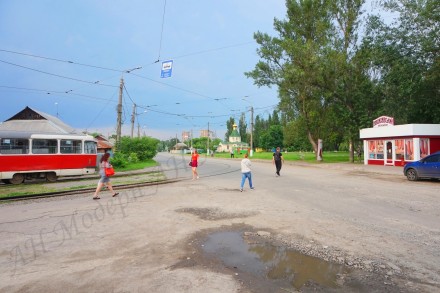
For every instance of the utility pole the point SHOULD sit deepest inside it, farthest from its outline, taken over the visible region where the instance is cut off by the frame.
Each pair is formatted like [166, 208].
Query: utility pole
[133, 115]
[252, 130]
[119, 111]
[207, 147]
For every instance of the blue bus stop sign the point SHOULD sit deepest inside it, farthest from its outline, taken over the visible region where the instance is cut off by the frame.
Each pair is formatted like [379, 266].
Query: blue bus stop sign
[167, 68]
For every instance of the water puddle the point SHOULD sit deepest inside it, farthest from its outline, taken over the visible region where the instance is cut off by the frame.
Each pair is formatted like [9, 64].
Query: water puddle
[272, 262]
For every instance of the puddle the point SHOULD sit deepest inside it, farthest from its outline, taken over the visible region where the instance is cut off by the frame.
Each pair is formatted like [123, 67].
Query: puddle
[272, 262]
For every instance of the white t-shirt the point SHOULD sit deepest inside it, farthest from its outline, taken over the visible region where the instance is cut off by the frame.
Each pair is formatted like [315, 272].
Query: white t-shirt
[245, 165]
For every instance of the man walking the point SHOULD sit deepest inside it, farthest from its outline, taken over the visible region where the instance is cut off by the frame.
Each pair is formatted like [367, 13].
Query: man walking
[246, 172]
[278, 160]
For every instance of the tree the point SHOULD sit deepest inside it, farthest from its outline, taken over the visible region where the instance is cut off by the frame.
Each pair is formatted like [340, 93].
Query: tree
[145, 147]
[296, 62]
[242, 128]
[229, 126]
[348, 75]
[407, 60]
[273, 137]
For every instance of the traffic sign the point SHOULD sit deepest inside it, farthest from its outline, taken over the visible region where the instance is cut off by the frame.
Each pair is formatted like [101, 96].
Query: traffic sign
[167, 68]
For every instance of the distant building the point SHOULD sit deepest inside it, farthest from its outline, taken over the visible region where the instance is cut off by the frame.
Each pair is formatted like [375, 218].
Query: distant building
[206, 133]
[234, 143]
[180, 148]
[186, 135]
[104, 145]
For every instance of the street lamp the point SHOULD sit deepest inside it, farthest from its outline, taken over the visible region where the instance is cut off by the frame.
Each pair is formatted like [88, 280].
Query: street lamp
[252, 125]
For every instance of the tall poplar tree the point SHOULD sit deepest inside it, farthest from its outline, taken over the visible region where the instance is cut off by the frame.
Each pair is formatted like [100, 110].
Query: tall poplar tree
[296, 60]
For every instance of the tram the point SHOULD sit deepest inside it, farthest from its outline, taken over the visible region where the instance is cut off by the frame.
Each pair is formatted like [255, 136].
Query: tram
[26, 155]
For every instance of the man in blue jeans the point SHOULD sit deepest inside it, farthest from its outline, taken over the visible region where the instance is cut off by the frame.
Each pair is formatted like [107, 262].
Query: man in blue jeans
[246, 172]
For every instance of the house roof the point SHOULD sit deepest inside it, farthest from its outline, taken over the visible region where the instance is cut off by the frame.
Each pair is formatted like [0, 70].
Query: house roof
[103, 144]
[180, 146]
[30, 120]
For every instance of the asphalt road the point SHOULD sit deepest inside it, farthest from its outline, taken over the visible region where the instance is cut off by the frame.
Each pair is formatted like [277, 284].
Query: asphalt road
[365, 216]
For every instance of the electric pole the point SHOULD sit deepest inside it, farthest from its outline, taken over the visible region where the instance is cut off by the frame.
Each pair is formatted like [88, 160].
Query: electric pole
[252, 130]
[207, 147]
[119, 111]
[133, 115]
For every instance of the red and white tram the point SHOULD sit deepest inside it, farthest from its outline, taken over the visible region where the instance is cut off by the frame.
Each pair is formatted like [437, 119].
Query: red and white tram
[31, 155]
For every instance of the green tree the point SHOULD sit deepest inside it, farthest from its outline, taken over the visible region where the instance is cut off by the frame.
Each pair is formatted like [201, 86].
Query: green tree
[273, 137]
[145, 147]
[229, 125]
[296, 62]
[242, 128]
[406, 60]
[259, 128]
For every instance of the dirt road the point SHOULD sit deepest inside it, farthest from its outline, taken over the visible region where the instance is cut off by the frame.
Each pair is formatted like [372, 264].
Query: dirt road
[382, 229]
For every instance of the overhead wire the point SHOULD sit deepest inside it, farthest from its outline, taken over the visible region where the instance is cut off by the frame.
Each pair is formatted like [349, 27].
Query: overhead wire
[161, 32]
[58, 75]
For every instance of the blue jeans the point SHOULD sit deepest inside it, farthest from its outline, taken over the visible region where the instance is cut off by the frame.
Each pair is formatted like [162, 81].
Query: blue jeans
[247, 175]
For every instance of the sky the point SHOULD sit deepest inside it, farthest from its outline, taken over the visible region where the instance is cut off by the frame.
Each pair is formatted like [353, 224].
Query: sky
[67, 59]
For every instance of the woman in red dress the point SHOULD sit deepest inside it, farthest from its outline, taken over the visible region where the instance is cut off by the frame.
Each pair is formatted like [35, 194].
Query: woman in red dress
[194, 164]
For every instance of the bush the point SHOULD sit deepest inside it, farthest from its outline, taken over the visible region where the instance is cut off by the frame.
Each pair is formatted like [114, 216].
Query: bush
[133, 158]
[119, 160]
[145, 148]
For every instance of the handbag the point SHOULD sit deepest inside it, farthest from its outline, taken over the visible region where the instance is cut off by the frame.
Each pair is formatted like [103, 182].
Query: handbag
[190, 163]
[109, 171]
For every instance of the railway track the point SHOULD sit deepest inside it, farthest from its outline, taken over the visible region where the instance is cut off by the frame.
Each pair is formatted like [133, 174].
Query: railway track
[117, 186]
[84, 190]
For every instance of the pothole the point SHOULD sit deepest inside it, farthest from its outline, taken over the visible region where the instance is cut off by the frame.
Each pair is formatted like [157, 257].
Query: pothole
[214, 214]
[272, 262]
[264, 265]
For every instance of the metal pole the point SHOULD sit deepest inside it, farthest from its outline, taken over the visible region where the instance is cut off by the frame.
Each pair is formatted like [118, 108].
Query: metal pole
[252, 130]
[119, 111]
[133, 114]
[207, 149]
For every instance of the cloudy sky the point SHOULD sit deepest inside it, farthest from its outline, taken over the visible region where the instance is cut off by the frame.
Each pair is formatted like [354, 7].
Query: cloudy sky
[67, 58]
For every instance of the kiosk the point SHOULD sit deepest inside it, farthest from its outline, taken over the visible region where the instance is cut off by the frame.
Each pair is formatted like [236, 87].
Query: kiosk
[395, 145]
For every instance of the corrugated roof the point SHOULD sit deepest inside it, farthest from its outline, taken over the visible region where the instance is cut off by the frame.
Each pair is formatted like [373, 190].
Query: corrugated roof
[30, 120]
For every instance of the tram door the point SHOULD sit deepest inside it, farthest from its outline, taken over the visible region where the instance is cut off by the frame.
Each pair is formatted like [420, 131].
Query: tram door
[389, 154]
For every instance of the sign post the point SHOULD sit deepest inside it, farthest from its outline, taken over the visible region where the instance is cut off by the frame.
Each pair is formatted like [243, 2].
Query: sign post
[167, 69]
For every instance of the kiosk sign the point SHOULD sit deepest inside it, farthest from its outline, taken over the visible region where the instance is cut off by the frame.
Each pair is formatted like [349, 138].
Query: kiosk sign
[383, 121]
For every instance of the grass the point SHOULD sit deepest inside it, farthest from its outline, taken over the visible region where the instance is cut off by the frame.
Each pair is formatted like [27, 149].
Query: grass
[328, 157]
[137, 166]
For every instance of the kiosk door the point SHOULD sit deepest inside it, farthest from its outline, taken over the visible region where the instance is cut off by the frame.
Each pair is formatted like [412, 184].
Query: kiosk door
[389, 153]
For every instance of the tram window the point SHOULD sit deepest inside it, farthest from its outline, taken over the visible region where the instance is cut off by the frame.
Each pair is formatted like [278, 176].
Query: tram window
[90, 147]
[44, 146]
[14, 146]
[69, 146]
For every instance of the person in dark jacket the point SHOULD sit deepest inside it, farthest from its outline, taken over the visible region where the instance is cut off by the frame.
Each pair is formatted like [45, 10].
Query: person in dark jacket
[278, 160]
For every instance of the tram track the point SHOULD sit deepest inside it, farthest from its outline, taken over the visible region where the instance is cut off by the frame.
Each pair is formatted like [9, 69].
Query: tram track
[126, 186]
[84, 190]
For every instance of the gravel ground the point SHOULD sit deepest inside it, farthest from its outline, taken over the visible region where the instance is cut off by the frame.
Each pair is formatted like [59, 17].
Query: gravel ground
[370, 219]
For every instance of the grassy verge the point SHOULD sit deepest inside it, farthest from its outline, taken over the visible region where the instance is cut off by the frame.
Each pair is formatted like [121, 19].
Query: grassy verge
[328, 157]
[137, 166]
